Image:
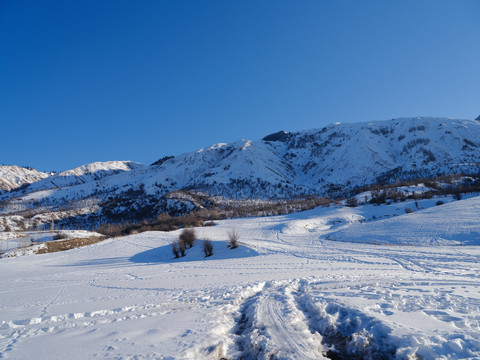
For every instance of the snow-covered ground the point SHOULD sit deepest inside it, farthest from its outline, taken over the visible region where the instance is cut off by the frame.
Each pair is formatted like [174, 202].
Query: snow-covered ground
[286, 293]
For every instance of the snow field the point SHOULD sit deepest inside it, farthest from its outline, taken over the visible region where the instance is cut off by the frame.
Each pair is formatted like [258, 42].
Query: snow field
[287, 292]
[453, 223]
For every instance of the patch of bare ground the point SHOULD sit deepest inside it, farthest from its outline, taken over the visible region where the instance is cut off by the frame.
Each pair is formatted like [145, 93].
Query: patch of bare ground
[62, 245]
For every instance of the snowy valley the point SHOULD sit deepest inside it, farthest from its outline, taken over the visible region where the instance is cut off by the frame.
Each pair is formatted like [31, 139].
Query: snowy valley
[309, 285]
[375, 254]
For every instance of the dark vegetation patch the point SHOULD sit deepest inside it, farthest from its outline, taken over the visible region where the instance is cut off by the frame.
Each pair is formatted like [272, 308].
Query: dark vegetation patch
[55, 246]
[278, 136]
[162, 160]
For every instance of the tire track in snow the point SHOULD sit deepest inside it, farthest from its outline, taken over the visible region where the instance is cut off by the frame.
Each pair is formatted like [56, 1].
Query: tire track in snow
[283, 321]
[269, 326]
[348, 334]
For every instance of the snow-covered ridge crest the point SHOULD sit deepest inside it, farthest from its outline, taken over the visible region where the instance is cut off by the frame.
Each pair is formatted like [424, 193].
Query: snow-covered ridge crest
[98, 167]
[12, 177]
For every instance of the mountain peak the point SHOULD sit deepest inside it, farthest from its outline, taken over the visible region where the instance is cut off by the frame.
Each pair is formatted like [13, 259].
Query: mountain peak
[12, 176]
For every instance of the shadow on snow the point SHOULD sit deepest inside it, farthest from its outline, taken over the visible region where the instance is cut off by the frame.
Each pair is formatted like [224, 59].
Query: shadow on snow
[164, 254]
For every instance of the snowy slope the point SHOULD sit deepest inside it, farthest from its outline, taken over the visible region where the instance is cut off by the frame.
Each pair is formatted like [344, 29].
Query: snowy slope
[286, 293]
[454, 223]
[12, 177]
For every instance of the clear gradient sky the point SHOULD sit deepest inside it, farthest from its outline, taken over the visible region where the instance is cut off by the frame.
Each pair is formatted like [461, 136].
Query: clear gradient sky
[84, 81]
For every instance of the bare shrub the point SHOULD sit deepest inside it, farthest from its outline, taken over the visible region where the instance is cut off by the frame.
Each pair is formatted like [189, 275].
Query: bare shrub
[111, 230]
[439, 202]
[233, 239]
[176, 249]
[207, 247]
[187, 237]
[408, 210]
[182, 247]
[352, 202]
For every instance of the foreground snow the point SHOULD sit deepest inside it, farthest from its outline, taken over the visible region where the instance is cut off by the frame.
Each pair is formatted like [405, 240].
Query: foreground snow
[288, 292]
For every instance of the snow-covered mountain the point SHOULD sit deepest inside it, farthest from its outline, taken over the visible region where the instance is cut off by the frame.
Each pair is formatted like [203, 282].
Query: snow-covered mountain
[84, 174]
[330, 160]
[319, 160]
[12, 177]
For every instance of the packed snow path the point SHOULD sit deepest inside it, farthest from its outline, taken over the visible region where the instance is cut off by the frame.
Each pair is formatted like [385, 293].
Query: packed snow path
[286, 293]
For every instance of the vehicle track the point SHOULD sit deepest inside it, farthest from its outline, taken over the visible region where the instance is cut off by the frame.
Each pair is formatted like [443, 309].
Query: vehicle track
[283, 321]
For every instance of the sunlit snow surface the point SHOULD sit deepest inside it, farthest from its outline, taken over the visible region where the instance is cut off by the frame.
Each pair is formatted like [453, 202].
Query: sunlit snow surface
[287, 293]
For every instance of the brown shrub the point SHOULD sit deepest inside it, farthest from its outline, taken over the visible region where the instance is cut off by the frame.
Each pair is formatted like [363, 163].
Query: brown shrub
[207, 248]
[187, 237]
[233, 239]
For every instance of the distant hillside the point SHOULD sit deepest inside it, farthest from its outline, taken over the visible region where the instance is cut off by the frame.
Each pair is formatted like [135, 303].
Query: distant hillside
[329, 161]
[12, 177]
[84, 174]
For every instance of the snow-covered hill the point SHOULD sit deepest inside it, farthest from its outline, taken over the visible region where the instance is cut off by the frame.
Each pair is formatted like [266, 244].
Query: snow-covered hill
[84, 174]
[455, 223]
[12, 177]
[327, 161]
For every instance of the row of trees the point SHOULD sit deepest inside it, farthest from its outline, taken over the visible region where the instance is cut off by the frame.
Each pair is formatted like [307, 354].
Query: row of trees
[207, 216]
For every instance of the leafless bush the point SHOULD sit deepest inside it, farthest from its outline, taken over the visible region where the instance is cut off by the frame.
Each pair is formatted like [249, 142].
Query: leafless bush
[182, 248]
[187, 237]
[207, 247]
[111, 230]
[176, 249]
[233, 239]
[439, 202]
[408, 210]
[352, 202]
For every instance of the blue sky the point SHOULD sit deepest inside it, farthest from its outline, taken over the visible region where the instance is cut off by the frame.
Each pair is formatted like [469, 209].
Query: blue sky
[85, 81]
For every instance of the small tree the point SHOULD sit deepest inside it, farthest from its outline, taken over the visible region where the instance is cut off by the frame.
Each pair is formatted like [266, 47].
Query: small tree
[207, 247]
[188, 237]
[233, 239]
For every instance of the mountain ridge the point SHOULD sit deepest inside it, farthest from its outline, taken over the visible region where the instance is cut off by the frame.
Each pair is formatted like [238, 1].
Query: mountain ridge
[333, 161]
[13, 176]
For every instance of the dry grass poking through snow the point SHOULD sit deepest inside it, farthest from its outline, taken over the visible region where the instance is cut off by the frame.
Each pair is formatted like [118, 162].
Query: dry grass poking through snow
[55, 246]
